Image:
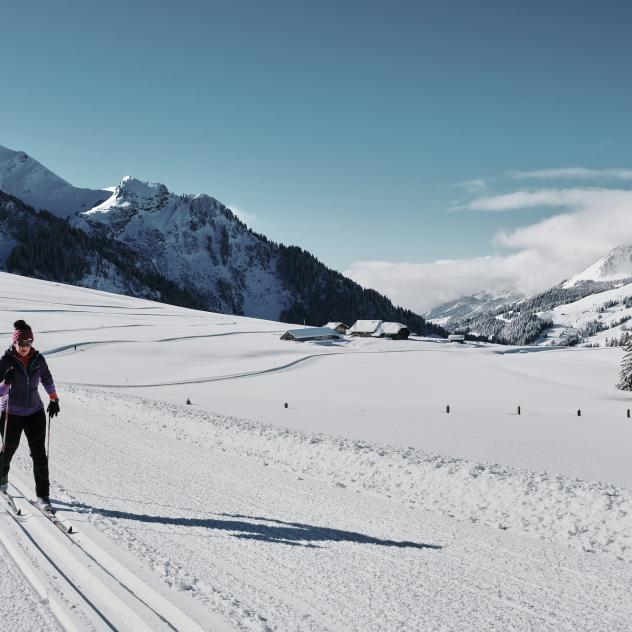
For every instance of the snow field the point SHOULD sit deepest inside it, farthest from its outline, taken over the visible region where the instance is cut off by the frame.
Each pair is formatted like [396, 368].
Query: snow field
[361, 506]
[218, 510]
[591, 516]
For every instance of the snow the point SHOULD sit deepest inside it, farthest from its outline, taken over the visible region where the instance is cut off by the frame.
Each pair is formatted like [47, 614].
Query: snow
[588, 309]
[27, 179]
[468, 306]
[615, 265]
[362, 506]
[389, 329]
[364, 326]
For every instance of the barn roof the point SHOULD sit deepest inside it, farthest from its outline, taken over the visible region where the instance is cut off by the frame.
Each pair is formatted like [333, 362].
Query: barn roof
[389, 329]
[307, 333]
[364, 326]
[333, 325]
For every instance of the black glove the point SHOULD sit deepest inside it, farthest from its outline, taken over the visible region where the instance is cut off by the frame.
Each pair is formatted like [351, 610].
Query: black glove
[53, 408]
[9, 375]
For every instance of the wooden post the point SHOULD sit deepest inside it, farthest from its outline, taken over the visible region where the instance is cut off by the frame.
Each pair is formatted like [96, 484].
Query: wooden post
[579, 412]
[447, 408]
[285, 405]
[628, 413]
[518, 409]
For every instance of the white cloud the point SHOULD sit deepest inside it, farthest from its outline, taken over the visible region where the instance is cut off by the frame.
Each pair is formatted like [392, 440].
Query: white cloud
[421, 286]
[572, 173]
[576, 198]
[544, 253]
[473, 187]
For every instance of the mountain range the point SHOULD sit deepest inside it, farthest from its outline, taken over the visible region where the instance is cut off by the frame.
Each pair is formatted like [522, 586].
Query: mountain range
[139, 238]
[590, 308]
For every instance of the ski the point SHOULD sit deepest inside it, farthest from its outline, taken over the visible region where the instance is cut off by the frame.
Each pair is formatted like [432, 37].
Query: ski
[49, 512]
[11, 506]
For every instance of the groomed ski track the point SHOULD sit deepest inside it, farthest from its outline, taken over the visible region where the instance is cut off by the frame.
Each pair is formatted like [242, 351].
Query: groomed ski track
[229, 376]
[266, 548]
[84, 586]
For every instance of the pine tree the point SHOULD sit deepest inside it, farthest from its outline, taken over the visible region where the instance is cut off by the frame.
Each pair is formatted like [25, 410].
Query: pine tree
[625, 374]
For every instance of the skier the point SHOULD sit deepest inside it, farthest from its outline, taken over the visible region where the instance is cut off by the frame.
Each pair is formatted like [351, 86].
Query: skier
[23, 368]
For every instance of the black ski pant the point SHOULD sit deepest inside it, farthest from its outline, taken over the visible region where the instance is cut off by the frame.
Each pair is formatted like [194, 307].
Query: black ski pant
[34, 427]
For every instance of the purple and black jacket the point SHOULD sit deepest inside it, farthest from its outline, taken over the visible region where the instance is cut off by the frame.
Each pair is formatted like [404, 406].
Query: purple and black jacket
[23, 396]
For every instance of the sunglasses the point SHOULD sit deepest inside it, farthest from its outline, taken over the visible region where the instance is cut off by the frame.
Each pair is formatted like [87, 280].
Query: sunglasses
[25, 343]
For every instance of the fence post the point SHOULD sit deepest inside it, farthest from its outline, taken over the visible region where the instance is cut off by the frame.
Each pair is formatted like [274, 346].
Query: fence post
[447, 408]
[285, 405]
[579, 412]
[518, 409]
[628, 413]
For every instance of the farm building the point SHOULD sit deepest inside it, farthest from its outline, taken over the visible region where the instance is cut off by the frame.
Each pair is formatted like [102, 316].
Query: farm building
[311, 333]
[456, 338]
[341, 328]
[396, 331]
[364, 327]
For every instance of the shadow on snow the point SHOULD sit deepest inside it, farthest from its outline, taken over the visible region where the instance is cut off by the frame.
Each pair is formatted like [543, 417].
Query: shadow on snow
[258, 528]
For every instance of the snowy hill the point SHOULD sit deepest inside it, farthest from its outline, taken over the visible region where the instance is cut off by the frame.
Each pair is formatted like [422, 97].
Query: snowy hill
[27, 179]
[358, 508]
[468, 306]
[597, 319]
[615, 266]
[187, 249]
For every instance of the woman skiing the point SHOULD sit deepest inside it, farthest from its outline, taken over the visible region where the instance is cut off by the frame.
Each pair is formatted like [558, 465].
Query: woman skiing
[23, 368]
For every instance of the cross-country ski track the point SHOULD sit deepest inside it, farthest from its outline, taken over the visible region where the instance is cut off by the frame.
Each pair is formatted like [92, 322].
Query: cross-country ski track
[84, 585]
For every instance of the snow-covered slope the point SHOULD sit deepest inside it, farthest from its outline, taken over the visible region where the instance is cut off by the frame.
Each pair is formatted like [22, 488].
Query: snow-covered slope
[468, 306]
[597, 319]
[361, 507]
[614, 266]
[25, 178]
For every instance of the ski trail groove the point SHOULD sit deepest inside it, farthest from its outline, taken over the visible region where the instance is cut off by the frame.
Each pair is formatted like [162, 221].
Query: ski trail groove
[231, 376]
[166, 612]
[60, 612]
[57, 608]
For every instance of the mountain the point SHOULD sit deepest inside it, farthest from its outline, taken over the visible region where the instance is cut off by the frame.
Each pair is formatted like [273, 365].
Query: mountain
[589, 312]
[196, 242]
[614, 266]
[468, 306]
[141, 239]
[31, 182]
[42, 245]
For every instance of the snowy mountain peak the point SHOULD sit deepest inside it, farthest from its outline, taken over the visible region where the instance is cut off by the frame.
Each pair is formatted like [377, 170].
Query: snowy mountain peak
[615, 265]
[144, 195]
[9, 154]
[25, 178]
[133, 195]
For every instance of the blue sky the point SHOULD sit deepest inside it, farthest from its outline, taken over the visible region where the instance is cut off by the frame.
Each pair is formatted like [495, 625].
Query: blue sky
[344, 128]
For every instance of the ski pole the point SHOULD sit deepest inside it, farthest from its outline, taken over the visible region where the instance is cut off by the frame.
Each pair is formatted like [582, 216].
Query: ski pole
[4, 438]
[48, 439]
[6, 423]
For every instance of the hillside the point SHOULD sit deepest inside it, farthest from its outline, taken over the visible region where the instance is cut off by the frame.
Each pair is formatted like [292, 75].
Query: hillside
[590, 308]
[186, 249]
[468, 306]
